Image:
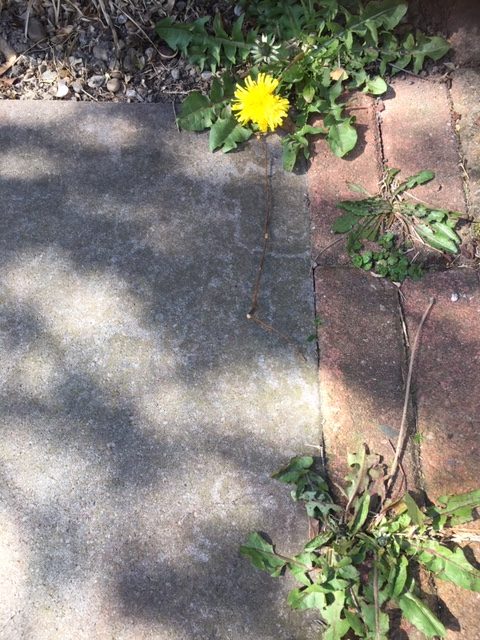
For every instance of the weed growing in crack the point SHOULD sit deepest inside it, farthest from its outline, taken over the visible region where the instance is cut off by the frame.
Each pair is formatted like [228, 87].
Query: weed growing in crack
[383, 229]
[361, 563]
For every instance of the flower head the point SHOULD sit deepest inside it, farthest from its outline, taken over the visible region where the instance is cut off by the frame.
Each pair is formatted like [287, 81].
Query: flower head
[257, 102]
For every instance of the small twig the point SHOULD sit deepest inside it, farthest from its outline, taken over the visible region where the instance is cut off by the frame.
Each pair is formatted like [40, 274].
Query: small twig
[89, 95]
[109, 22]
[266, 234]
[27, 17]
[272, 329]
[144, 33]
[327, 247]
[403, 425]
[175, 116]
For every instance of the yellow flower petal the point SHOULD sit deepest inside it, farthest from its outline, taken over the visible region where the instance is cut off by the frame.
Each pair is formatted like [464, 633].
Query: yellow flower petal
[257, 103]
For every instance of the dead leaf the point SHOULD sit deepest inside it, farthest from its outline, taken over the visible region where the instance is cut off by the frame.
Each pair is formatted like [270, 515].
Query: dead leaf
[338, 74]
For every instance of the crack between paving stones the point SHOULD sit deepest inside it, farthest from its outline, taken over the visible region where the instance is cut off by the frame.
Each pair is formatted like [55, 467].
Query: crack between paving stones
[416, 448]
[413, 411]
[321, 439]
[461, 158]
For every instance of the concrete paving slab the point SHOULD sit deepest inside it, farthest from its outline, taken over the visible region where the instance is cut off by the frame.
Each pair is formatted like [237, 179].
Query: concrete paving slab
[448, 408]
[142, 415]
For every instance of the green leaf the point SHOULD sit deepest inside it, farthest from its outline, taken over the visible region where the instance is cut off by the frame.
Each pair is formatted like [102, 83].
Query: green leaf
[420, 616]
[308, 92]
[361, 513]
[312, 597]
[296, 468]
[293, 74]
[337, 626]
[413, 511]
[318, 541]
[436, 240]
[342, 138]
[370, 620]
[300, 567]
[419, 178]
[344, 223]
[375, 86]
[457, 507]
[227, 133]
[357, 188]
[289, 155]
[262, 554]
[176, 34]
[386, 13]
[431, 47]
[196, 113]
[401, 577]
[449, 565]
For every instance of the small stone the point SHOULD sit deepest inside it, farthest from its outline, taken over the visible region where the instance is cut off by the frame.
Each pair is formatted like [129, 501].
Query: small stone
[180, 6]
[454, 297]
[114, 85]
[95, 82]
[238, 10]
[62, 90]
[49, 76]
[36, 30]
[175, 73]
[100, 53]
[206, 75]
[77, 86]
[131, 93]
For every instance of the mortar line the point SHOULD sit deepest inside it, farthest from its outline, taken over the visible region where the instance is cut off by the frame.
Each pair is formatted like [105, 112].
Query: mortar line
[321, 439]
[415, 447]
[458, 145]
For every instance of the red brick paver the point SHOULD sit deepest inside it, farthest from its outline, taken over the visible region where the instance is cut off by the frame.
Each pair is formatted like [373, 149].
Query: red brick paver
[417, 134]
[448, 398]
[362, 353]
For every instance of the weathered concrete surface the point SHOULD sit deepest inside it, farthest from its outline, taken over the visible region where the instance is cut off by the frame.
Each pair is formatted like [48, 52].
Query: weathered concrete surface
[141, 413]
[465, 94]
[448, 407]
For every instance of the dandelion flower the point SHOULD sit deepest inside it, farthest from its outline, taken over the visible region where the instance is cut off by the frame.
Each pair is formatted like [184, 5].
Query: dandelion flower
[257, 102]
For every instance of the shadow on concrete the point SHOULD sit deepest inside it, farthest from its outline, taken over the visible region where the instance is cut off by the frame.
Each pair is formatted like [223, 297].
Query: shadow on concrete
[142, 414]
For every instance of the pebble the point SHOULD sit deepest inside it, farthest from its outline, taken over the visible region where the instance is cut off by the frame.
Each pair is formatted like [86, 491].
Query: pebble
[36, 30]
[175, 73]
[100, 53]
[77, 86]
[62, 90]
[180, 6]
[238, 10]
[454, 297]
[49, 76]
[95, 82]
[114, 85]
[206, 75]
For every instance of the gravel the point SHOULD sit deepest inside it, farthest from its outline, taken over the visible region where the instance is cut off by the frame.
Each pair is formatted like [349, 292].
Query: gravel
[79, 55]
